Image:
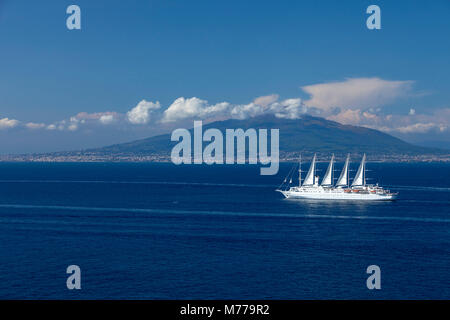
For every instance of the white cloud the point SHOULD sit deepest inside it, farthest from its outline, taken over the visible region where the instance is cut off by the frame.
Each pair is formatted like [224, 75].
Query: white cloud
[6, 123]
[266, 100]
[103, 117]
[72, 124]
[141, 113]
[32, 125]
[438, 122]
[289, 109]
[421, 128]
[87, 116]
[183, 108]
[356, 93]
[195, 108]
[107, 119]
[357, 101]
[245, 111]
[72, 127]
[347, 117]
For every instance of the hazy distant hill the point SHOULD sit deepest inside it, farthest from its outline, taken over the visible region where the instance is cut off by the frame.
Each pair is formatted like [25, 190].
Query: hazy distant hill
[306, 135]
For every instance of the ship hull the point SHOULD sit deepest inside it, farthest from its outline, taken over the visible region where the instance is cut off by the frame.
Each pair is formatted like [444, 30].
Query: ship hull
[338, 196]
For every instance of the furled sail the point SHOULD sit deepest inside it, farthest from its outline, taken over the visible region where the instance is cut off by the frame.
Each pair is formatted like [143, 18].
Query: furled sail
[342, 181]
[360, 179]
[328, 178]
[309, 180]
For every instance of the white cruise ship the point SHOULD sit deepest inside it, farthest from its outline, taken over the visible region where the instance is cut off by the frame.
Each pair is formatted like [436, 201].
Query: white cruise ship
[327, 190]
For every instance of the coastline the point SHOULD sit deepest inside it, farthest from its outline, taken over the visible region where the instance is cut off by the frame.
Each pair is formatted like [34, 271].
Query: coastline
[83, 157]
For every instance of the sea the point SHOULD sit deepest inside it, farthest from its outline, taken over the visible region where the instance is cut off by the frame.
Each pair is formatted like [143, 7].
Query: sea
[161, 231]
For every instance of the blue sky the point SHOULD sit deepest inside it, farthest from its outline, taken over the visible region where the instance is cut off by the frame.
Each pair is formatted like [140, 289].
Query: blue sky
[316, 57]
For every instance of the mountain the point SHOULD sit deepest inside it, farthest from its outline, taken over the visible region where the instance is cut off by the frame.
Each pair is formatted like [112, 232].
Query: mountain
[306, 135]
[441, 144]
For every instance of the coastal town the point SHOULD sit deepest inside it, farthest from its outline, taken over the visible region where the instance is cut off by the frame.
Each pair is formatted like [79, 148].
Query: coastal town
[86, 156]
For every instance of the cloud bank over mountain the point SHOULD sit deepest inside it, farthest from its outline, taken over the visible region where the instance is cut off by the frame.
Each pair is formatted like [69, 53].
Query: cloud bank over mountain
[356, 101]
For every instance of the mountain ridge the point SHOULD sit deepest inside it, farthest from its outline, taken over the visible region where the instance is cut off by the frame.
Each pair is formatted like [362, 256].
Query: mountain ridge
[307, 134]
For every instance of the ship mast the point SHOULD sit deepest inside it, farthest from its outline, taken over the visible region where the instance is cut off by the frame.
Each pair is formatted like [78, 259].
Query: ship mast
[348, 176]
[332, 171]
[314, 174]
[364, 171]
[300, 171]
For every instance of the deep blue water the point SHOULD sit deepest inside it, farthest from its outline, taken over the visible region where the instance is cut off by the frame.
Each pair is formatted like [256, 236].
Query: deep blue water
[159, 231]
